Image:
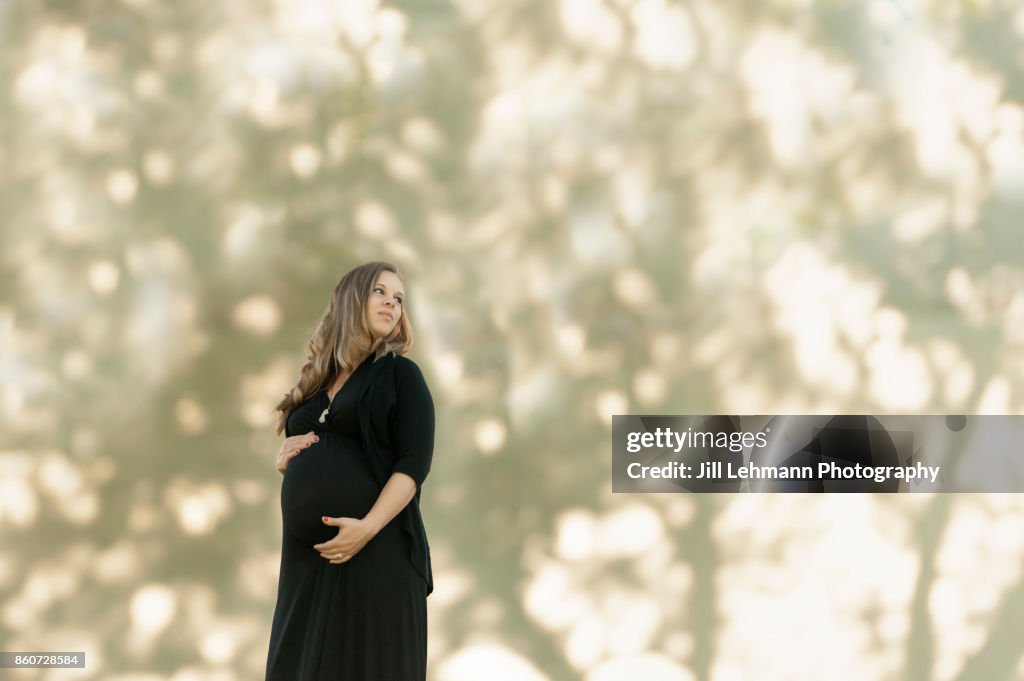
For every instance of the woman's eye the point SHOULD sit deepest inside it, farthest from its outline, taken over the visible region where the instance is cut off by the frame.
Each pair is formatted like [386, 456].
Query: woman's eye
[397, 300]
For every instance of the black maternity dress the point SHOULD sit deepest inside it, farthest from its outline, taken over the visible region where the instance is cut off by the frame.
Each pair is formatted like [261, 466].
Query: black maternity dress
[362, 620]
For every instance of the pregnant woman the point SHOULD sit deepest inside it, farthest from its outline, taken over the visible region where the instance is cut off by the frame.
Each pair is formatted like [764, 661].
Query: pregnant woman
[359, 427]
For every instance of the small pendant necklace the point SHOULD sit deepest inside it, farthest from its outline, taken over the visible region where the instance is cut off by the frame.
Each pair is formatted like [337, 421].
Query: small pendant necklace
[325, 412]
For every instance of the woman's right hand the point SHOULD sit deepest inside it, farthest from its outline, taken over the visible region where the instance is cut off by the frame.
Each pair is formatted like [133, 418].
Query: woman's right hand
[291, 447]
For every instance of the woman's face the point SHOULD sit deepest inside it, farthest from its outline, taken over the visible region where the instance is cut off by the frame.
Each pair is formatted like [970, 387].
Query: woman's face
[384, 308]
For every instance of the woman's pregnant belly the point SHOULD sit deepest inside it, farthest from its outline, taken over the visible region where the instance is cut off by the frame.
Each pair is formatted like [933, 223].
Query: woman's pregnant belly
[327, 478]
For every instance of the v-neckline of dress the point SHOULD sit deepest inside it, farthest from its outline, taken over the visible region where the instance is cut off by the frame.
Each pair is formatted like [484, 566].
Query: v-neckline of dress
[331, 398]
[326, 415]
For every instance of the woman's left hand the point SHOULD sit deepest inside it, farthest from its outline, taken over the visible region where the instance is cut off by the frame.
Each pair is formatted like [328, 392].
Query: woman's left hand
[353, 535]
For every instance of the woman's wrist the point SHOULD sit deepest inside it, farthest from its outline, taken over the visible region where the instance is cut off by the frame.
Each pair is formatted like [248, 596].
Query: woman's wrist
[373, 524]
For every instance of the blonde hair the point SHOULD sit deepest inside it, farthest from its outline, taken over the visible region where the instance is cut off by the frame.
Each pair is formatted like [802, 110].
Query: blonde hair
[342, 338]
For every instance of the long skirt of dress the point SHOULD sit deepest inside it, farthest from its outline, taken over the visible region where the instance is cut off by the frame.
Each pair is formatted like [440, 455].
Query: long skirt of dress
[362, 620]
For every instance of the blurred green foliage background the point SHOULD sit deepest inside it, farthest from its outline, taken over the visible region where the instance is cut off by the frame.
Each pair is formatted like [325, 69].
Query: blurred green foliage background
[600, 207]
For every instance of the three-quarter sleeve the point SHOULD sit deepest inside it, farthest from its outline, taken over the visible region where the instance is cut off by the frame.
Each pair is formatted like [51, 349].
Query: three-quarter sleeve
[412, 425]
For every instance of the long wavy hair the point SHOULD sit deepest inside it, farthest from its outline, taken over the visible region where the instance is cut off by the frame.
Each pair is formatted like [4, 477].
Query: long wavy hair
[342, 338]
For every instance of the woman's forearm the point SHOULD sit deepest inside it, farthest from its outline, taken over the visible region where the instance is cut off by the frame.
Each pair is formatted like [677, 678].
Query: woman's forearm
[397, 493]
